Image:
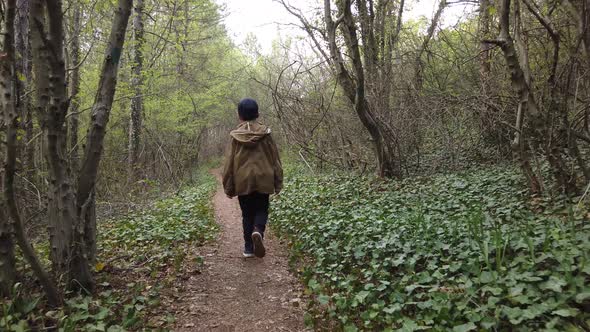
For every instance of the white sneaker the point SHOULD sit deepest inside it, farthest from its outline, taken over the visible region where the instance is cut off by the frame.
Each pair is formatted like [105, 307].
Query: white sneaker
[248, 254]
[259, 250]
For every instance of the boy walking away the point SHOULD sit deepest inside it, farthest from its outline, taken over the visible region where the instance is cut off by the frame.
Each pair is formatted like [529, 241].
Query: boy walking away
[252, 172]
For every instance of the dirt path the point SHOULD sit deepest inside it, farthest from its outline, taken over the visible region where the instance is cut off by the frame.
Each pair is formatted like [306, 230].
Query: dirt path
[238, 294]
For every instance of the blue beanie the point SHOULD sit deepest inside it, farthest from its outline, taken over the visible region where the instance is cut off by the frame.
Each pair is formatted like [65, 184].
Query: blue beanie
[248, 109]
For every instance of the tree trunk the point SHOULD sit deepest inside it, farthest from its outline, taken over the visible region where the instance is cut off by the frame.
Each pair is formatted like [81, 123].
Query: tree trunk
[65, 229]
[184, 43]
[585, 27]
[527, 102]
[522, 153]
[49, 69]
[484, 47]
[98, 123]
[367, 26]
[75, 87]
[23, 68]
[9, 77]
[492, 133]
[137, 85]
[585, 31]
[7, 262]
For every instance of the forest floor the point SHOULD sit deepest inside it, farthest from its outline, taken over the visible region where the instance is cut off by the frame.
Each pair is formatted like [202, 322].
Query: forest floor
[240, 294]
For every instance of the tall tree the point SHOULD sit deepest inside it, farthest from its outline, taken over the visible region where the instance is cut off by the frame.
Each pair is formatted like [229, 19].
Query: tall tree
[137, 85]
[99, 118]
[74, 84]
[23, 68]
[11, 119]
[46, 26]
[72, 220]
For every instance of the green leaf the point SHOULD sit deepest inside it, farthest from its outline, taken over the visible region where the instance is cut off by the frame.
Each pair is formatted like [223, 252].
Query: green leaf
[313, 284]
[115, 328]
[21, 77]
[411, 326]
[517, 290]
[568, 312]
[392, 308]
[465, 327]
[581, 297]
[488, 323]
[515, 315]
[361, 296]
[323, 299]
[536, 310]
[350, 328]
[486, 277]
[29, 306]
[554, 283]
[22, 326]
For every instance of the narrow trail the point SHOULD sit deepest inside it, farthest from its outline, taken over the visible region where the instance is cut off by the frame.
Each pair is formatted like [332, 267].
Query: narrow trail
[237, 294]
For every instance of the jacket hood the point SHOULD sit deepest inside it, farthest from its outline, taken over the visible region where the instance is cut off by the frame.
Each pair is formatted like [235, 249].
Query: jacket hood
[250, 132]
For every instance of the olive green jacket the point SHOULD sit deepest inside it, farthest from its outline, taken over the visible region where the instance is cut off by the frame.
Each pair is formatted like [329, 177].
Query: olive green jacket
[252, 163]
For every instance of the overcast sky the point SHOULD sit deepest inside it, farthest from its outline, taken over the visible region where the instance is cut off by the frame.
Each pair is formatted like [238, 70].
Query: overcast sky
[267, 18]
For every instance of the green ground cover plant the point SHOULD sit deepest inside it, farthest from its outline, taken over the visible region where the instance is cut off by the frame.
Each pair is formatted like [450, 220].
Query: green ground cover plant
[462, 252]
[142, 257]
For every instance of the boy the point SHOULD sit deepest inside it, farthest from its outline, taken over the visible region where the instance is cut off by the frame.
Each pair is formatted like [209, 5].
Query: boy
[252, 172]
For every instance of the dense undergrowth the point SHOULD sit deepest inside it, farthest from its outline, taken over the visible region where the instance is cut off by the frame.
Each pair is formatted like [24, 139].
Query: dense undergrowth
[142, 257]
[468, 252]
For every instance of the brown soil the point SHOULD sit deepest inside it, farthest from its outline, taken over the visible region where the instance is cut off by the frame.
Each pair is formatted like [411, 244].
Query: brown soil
[240, 294]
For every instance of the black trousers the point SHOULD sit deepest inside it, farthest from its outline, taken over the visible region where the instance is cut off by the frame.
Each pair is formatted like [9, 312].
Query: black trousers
[254, 215]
